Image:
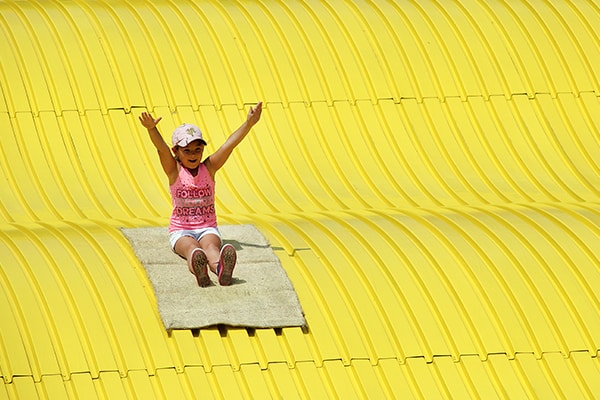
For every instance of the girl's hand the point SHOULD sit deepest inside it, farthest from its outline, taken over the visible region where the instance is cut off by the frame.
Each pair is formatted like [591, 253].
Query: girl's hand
[254, 114]
[148, 122]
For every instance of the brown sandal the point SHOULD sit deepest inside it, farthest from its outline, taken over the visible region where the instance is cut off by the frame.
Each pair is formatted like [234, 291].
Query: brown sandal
[226, 264]
[199, 265]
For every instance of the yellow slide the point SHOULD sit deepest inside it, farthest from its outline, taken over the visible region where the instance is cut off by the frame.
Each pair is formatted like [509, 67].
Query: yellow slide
[427, 172]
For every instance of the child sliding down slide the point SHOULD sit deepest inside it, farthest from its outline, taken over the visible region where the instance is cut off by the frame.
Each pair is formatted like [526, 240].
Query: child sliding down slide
[193, 230]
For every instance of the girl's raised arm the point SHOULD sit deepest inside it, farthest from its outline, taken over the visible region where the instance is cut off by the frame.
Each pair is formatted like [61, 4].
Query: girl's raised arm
[216, 160]
[167, 161]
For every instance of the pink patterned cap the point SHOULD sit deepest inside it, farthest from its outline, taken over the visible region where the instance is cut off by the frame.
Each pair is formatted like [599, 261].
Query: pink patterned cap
[185, 134]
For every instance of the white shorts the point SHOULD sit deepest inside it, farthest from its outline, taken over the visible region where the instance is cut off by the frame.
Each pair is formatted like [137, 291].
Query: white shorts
[194, 233]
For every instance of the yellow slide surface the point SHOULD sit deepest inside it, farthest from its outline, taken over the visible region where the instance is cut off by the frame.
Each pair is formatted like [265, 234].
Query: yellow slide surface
[428, 173]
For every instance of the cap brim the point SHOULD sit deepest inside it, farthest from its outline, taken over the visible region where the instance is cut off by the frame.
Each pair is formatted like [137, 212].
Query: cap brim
[193, 140]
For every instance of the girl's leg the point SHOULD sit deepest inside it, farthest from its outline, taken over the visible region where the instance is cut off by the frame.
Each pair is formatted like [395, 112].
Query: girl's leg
[189, 248]
[211, 244]
[184, 247]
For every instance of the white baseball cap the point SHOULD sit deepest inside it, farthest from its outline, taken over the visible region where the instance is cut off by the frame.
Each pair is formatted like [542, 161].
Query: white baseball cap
[185, 134]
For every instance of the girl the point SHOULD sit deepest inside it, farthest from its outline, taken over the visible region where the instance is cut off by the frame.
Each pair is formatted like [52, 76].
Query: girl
[193, 230]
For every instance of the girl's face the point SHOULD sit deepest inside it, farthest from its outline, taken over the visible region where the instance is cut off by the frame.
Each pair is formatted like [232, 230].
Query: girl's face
[190, 156]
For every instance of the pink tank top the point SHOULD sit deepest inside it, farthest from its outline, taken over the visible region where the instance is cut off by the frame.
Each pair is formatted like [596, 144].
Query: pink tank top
[193, 199]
